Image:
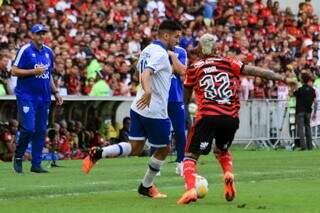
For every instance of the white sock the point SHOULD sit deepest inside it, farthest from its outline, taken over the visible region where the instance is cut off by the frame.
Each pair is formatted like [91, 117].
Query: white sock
[120, 149]
[153, 169]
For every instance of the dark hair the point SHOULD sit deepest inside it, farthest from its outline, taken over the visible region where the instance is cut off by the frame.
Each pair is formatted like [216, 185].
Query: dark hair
[169, 25]
[125, 120]
[305, 77]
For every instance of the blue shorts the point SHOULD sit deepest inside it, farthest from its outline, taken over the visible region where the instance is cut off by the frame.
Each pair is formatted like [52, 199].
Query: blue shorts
[157, 131]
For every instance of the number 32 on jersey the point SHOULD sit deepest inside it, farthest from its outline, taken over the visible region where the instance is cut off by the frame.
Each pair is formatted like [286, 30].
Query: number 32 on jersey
[216, 87]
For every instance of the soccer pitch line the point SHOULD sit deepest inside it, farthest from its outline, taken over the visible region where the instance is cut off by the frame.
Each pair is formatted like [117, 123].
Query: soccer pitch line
[171, 186]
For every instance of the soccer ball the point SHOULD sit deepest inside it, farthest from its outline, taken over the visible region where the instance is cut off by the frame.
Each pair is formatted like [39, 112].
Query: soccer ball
[201, 186]
[193, 107]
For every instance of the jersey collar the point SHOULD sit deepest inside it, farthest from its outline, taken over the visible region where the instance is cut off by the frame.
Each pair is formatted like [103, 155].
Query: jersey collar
[158, 42]
[34, 47]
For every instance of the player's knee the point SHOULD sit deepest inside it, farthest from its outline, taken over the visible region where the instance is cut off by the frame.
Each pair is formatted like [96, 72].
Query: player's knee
[27, 131]
[161, 153]
[40, 132]
[137, 149]
[220, 150]
[191, 155]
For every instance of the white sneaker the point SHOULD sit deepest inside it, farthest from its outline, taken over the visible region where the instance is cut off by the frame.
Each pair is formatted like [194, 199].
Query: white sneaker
[179, 169]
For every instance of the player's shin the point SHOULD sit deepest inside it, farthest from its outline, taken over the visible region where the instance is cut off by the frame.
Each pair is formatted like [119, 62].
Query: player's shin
[154, 167]
[225, 160]
[120, 149]
[189, 172]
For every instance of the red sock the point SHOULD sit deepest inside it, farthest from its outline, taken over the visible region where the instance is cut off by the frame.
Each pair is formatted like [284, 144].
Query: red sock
[225, 160]
[189, 173]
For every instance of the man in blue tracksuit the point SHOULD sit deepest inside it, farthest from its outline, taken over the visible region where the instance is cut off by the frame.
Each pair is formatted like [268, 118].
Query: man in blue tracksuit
[176, 110]
[33, 65]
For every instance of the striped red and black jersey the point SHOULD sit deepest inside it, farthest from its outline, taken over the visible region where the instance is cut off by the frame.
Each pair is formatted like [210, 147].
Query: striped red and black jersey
[216, 82]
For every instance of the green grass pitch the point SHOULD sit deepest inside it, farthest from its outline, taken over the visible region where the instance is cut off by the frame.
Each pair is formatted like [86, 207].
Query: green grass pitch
[267, 181]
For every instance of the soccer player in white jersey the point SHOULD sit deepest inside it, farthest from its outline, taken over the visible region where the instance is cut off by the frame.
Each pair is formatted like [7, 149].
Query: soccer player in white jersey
[149, 115]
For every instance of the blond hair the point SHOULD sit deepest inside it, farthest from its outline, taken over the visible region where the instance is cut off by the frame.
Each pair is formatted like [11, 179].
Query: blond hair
[207, 43]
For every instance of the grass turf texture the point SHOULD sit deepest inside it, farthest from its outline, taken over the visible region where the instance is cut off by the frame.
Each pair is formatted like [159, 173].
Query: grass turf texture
[267, 181]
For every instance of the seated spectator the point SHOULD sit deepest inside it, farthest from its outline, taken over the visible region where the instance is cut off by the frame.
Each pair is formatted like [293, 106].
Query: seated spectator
[4, 74]
[124, 132]
[8, 140]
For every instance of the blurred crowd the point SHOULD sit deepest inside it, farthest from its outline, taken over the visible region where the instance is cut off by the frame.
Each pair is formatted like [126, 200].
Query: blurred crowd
[97, 42]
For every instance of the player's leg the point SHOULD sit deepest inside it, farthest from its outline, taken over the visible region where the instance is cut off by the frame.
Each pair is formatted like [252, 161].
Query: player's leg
[38, 138]
[199, 141]
[301, 132]
[178, 119]
[158, 131]
[26, 117]
[227, 127]
[307, 127]
[133, 148]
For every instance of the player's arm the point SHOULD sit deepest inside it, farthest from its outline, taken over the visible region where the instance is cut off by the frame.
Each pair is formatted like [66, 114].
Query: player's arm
[189, 83]
[315, 107]
[27, 72]
[187, 95]
[178, 67]
[267, 74]
[145, 99]
[55, 92]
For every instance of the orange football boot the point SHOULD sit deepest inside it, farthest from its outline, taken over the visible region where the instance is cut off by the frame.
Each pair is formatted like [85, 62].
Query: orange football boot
[188, 196]
[229, 186]
[88, 163]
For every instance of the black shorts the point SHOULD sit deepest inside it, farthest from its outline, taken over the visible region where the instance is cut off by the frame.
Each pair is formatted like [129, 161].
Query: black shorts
[221, 128]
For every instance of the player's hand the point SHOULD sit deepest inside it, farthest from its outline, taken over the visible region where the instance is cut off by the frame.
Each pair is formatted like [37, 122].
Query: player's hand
[59, 100]
[39, 70]
[144, 101]
[171, 53]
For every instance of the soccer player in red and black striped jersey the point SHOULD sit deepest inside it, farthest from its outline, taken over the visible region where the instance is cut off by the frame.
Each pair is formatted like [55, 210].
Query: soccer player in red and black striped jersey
[215, 80]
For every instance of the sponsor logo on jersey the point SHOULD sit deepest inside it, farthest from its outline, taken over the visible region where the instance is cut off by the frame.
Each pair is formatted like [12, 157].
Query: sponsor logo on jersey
[44, 75]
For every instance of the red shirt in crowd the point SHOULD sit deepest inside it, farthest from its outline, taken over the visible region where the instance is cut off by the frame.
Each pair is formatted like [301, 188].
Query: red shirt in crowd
[258, 92]
[215, 81]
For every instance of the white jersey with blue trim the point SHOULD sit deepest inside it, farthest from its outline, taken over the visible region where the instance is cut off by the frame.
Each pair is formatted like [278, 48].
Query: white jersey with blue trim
[156, 58]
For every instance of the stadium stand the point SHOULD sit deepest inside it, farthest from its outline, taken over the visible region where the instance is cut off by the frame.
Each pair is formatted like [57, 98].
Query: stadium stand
[105, 37]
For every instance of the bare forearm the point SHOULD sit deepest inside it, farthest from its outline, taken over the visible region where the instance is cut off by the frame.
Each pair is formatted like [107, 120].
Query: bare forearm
[315, 107]
[263, 73]
[145, 80]
[178, 67]
[53, 86]
[187, 95]
[22, 72]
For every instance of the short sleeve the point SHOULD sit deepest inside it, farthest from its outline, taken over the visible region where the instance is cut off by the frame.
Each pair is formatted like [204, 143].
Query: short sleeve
[191, 77]
[156, 62]
[182, 55]
[20, 59]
